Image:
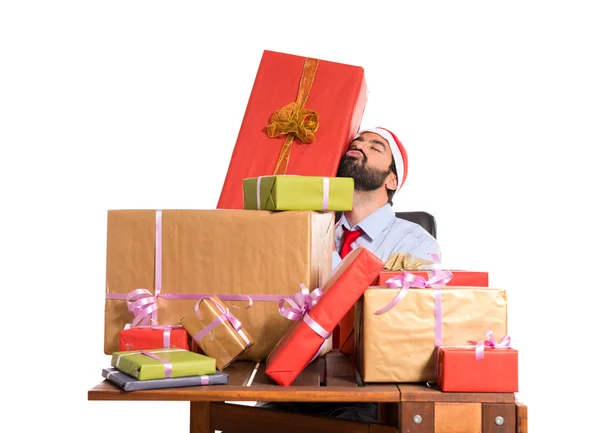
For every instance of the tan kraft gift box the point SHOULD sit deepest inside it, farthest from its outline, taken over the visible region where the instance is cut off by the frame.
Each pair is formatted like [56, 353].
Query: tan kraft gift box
[210, 327]
[215, 252]
[399, 345]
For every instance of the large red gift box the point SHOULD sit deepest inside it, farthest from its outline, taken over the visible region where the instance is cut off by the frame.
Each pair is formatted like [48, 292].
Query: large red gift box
[460, 371]
[300, 117]
[459, 279]
[143, 338]
[342, 290]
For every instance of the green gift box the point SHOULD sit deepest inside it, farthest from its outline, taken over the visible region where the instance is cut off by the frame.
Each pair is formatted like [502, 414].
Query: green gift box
[162, 363]
[290, 192]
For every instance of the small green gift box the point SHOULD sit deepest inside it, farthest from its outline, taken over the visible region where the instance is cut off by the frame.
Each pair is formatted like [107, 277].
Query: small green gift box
[290, 192]
[162, 363]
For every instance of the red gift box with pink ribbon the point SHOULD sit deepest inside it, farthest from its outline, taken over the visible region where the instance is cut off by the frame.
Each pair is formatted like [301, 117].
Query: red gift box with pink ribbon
[154, 337]
[488, 365]
[316, 314]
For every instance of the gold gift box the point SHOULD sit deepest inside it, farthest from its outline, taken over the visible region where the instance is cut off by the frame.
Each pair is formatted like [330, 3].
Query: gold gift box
[223, 342]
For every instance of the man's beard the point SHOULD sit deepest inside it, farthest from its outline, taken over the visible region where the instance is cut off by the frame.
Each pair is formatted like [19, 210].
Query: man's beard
[365, 178]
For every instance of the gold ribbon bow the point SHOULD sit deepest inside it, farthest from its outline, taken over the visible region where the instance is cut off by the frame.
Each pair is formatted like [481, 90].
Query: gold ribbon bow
[294, 120]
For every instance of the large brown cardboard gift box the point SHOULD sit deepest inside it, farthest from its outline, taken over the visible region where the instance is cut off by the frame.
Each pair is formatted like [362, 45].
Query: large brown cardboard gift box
[182, 256]
[400, 344]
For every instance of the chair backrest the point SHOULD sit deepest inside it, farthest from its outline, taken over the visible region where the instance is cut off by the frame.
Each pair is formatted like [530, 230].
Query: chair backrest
[424, 219]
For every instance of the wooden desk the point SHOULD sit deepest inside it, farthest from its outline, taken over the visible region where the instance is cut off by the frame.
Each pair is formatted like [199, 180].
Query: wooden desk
[402, 407]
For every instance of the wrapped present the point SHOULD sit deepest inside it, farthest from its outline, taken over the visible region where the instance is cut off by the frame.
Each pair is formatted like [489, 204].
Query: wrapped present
[153, 337]
[300, 117]
[460, 278]
[387, 278]
[399, 329]
[298, 193]
[317, 314]
[159, 264]
[486, 366]
[128, 383]
[162, 363]
[216, 331]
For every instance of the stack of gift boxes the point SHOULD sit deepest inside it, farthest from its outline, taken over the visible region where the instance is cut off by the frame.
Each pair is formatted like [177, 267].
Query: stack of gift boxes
[189, 292]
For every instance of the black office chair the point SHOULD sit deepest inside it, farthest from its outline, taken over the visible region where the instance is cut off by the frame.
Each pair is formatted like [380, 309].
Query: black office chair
[424, 219]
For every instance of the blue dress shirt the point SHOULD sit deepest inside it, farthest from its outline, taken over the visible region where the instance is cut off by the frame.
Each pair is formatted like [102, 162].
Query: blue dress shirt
[385, 234]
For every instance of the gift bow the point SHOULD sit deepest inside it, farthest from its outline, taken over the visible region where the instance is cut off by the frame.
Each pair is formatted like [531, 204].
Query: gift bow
[302, 303]
[306, 300]
[406, 280]
[142, 304]
[293, 120]
[490, 343]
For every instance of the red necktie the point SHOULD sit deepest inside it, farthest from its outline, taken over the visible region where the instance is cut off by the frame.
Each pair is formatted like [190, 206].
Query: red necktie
[348, 238]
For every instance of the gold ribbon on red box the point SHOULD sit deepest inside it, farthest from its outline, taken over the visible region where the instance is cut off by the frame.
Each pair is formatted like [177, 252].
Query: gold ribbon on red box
[293, 120]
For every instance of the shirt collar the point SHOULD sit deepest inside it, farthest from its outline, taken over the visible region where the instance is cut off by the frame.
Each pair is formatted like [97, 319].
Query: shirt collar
[373, 224]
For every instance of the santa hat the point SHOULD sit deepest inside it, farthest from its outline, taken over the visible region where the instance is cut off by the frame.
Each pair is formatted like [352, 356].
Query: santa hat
[398, 152]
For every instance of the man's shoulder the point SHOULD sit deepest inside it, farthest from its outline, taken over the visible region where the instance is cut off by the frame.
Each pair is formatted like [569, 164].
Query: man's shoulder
[411, 237]
[408, 228]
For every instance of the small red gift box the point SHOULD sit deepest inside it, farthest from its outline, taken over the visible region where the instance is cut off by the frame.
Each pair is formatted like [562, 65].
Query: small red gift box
[146, 338]
[461, 370]
[342, 290]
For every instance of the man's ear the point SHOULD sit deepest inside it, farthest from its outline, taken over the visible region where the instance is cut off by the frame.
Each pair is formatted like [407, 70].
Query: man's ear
[391, 181]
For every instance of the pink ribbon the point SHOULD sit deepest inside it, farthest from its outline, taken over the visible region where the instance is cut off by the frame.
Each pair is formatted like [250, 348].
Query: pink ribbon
[490, 343]
[301, 304]
[406, 280]
[166, 362]
[222, 318]
[142, 304]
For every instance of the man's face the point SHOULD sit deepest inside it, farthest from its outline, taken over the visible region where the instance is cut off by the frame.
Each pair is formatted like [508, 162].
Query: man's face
[367, 161]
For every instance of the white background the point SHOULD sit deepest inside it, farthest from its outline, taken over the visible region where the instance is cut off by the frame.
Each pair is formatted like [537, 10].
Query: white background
[137, 104]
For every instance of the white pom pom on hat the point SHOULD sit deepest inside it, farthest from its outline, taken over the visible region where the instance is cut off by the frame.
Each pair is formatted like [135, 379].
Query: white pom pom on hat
[398, 151]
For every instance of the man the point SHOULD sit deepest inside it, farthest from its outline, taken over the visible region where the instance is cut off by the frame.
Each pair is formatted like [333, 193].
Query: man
[378, 163]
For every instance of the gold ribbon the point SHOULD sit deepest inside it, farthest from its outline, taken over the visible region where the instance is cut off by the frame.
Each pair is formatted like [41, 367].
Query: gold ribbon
[295, 121]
